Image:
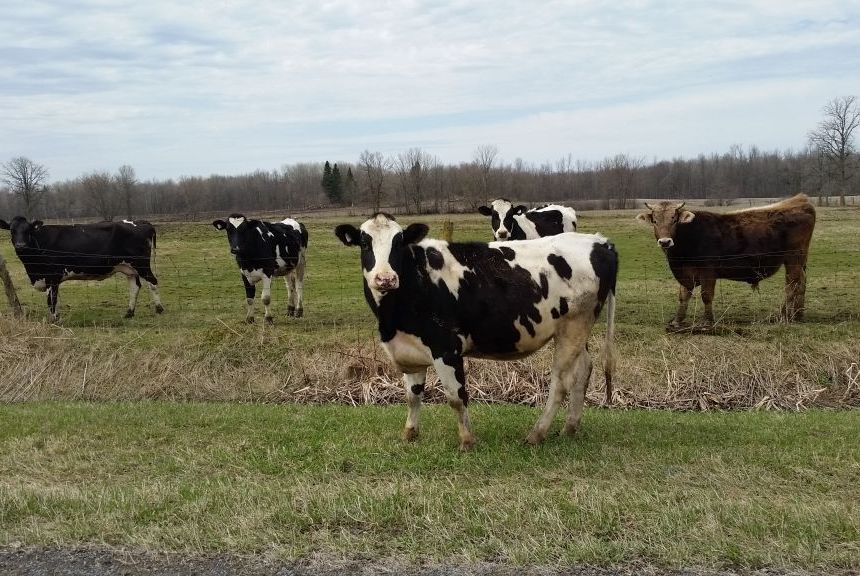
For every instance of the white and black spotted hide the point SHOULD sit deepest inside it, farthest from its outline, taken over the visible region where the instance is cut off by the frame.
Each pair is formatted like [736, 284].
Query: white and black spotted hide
[438, 302]
[264, 250]
[511, 222]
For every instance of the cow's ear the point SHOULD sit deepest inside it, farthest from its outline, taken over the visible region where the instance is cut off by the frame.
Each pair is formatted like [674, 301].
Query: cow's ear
[485, 211]
[4, 225]
[686, 217]
[348, 234]
[645, 217]
[219, 224]
[415, 233]
[36, 224]
[521, 209]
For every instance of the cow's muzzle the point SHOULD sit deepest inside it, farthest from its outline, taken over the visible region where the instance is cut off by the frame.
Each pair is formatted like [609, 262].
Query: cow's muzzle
[384, 283]
[666, 242]
[234, 250]
[502, 234]
[20, 245]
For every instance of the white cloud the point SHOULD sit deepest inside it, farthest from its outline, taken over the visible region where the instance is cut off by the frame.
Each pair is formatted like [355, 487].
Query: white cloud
[235, 86]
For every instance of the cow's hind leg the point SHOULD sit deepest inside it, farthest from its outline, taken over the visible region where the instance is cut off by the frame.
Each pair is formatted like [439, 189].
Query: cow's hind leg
[152, 284]
[290, 283]
[414, 385]
[133, 289]
[709, 284]
[795, 290]
[570, 339]
[250, 292]
[453, 378]
[579, 386]
[299, 286]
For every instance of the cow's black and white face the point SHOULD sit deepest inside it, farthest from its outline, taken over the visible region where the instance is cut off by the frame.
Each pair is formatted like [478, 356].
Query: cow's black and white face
[22, 231]
[502, 214]
[242, 235]
[665, 218]
[383, 246]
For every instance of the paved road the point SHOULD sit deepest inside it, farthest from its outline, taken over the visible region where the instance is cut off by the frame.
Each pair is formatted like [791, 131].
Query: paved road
[99, 562]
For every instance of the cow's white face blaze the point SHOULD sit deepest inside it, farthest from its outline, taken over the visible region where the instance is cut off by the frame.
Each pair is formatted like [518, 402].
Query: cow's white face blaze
[665, 218]
[383, 245]
[502, 212]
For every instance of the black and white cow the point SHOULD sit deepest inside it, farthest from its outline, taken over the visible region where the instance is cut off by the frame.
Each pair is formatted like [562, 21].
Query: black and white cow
[264, 250]
[511, 222]
[437, 302]
[53, 254]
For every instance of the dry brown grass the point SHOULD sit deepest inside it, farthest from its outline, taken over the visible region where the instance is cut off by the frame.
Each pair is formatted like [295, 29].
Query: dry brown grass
[678, 372]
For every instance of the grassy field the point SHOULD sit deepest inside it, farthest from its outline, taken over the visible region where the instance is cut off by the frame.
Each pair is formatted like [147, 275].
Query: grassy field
[675, 489]
[200, 348]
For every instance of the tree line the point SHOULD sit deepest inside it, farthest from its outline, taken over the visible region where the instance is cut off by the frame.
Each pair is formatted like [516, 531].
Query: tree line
[415, 181]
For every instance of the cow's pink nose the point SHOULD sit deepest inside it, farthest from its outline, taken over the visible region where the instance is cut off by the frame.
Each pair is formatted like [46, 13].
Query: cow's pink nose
[666, 242]
[386, 282]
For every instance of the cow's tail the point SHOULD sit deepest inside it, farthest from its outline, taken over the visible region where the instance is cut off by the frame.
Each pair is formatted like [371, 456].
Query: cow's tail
[609, 345]
[152, 244]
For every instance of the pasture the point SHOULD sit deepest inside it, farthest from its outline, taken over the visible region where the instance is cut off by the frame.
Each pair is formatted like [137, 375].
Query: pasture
[92, 451]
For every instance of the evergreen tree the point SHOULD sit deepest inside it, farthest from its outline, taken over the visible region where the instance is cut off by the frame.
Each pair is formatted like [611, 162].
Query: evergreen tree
[326, 180]
[336, 186]
[350, 187]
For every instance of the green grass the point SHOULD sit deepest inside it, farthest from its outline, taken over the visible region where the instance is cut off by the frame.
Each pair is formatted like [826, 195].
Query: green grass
[675, 489]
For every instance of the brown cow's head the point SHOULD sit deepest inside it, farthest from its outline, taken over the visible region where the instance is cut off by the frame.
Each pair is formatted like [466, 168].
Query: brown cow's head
[665, 217]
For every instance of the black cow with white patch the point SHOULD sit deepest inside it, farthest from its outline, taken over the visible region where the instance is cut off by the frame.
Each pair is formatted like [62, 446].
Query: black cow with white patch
[511, 222]
[53, 254]
[438, 302]
[264, 250]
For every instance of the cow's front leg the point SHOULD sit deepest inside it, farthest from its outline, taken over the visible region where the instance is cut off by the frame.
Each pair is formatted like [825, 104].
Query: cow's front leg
[133, 289]
[250, 292]
[684, 294]
[53, 296]
[414, 385]
[450, 370]
[267, 297]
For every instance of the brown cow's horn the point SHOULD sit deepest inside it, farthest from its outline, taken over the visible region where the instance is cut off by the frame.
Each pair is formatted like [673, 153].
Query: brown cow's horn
[681, 205]
[648, 207]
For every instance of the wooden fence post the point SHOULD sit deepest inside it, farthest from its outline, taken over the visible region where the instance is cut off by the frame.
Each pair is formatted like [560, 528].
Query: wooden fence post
[448, 230]
[11, 294]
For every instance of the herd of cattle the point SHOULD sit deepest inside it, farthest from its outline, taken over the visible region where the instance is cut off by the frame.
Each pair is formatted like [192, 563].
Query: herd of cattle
[437, 302]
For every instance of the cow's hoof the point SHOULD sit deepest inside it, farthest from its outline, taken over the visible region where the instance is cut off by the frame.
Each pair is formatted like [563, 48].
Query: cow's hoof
[129, 314]
[467, 444]
[249, 319]
[534, 438]
[159, 308]
[291, 310]
[410, 434]
[299, 312]
[675, 326]
[270, 320]
[569, 430]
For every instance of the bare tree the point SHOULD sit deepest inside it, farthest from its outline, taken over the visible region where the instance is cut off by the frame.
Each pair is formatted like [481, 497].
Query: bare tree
[834, 138]
[26, 180]
[374, 166]
[485, 157]
[414, 168]
[125, 182]
[98, 189]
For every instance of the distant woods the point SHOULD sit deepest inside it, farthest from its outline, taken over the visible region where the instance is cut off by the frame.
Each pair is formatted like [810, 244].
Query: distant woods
[415, 181]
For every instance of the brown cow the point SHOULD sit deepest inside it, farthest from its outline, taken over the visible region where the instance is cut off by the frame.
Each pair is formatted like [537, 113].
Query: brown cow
[747, 246]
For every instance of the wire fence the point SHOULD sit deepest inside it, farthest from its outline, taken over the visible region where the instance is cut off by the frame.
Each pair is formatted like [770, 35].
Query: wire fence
[200, 282]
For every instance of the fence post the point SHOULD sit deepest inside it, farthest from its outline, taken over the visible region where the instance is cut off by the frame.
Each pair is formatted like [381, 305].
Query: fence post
[448, 230]
[11, 294]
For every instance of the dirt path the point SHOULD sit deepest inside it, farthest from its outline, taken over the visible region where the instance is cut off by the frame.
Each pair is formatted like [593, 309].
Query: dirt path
[101, 562]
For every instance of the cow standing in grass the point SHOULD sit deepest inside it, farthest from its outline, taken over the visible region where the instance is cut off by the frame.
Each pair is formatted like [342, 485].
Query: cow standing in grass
[438, 302]
[264, 250]
[53, 254]
[747, 246]
[511, 222]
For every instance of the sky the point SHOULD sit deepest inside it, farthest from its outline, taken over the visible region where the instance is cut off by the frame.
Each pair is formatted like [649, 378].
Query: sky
[217, 87]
